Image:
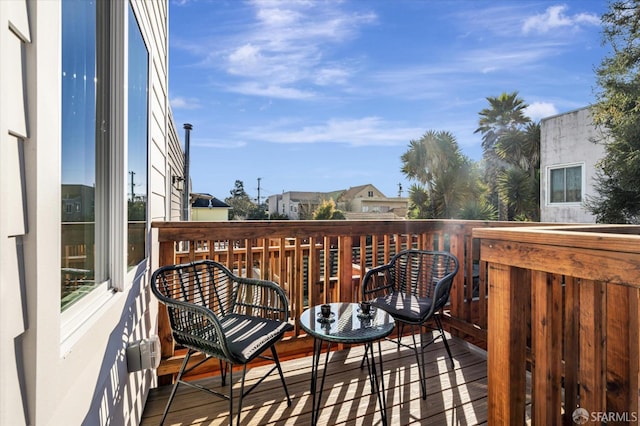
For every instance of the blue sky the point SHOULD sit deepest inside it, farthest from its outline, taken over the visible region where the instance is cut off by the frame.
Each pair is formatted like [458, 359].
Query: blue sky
[314, 95]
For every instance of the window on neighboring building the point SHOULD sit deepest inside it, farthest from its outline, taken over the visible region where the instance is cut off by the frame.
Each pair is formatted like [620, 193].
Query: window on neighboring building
[370, 194]
[565, 184]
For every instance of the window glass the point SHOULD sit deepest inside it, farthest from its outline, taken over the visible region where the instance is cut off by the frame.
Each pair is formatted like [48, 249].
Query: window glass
[566, 185]
[78, 227]
[138, 76]
[574, 184]
[557, 186]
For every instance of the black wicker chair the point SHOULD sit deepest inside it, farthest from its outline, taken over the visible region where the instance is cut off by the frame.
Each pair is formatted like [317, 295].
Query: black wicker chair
[413, 288]
[224, 316]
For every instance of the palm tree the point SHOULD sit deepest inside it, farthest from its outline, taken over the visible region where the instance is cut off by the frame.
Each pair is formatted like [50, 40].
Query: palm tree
[436, 162]
[510, 140]
[506, 112]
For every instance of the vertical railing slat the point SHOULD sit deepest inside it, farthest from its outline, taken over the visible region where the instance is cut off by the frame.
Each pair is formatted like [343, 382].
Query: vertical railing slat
[546, 311]
[592, 371]
[506, 363]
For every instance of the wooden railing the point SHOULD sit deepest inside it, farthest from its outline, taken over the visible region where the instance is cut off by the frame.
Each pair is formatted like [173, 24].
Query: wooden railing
[321, 261]
[564, 303]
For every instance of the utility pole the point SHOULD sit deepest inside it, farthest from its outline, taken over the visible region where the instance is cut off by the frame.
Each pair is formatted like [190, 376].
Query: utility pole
[132, 173]
[259, 191]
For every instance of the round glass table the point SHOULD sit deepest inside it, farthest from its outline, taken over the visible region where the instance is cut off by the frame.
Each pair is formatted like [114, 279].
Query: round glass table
[347, 324]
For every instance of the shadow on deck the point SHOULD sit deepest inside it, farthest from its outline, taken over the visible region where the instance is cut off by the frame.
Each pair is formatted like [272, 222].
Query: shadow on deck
[457, 396]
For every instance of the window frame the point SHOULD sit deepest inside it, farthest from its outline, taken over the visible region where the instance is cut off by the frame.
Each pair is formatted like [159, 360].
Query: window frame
[111, 207]
[549, 192]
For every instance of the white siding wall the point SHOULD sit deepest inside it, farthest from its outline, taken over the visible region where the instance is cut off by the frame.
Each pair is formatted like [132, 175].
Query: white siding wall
[567, 139]
[14, 138]
[88, 382]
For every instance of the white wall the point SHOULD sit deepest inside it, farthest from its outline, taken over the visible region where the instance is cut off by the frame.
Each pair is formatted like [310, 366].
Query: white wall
[567, 139]
[86, 381]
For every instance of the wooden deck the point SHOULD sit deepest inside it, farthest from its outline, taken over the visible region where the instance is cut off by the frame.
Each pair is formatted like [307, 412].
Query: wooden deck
[454, 397]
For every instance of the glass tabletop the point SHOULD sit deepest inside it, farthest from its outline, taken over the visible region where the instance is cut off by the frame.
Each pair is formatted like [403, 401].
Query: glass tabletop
[347, 324]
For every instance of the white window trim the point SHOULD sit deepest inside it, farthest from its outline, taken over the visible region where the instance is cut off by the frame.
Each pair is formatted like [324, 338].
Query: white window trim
[77, 320]
[548, 184]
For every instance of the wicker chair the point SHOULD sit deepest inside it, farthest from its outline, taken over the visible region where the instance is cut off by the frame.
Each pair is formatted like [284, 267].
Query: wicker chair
[223, 316]
[413, 288]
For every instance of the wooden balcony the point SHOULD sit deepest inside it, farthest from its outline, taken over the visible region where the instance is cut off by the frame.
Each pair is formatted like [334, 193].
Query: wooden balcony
[557, 304]
[454, 396]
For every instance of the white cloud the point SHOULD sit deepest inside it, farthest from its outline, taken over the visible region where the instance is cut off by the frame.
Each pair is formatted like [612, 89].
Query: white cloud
[217, 143]
[255, 88]
[367, 131]
[287, 44]
[555, 17]
[539, 110]
[185, 103]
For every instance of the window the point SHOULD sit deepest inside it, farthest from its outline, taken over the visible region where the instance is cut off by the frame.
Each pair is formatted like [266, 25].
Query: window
[80, 153]
[370, 194]
[565, 184]
[137, 120]
[100, 147]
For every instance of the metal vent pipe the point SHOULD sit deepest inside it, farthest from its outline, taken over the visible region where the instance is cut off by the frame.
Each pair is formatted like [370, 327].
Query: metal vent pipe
[187, 178]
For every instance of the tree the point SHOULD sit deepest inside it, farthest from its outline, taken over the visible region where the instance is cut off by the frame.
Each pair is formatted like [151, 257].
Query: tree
[435, 161]
[418, 203]
[241, 204]
[616, 109]
[327, 211]
[511, 153]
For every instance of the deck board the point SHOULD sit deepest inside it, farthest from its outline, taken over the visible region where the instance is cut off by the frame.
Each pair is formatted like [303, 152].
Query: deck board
[454, 396]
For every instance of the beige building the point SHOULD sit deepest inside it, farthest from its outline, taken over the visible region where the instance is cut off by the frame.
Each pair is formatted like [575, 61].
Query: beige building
[358, 202]
[205, 207]
[366, 201]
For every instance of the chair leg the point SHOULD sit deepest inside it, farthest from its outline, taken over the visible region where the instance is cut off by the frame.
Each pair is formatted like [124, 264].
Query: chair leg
[284, 384]
[444, 338]
[422, 375]
[175, 385]
[423, 368]
[231, 396]
[223, 372]
[244, 374]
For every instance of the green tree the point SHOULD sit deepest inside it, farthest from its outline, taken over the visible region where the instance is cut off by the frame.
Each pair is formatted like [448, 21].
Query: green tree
[278, 216]
[241, 204]
[327, 211]
[617, 110]
[419, 202]
[511, 153]
[436, 163]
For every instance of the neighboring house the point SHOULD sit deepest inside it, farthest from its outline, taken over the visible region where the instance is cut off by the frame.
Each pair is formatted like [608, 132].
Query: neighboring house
[570, 147]
[364, 201]
[78, 203]
[296, 204]
[87, 154]
[206, 207]
[368, 199]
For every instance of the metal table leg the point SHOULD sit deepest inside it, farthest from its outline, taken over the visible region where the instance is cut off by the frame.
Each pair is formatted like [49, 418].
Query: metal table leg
[316, 393]
[378, 381]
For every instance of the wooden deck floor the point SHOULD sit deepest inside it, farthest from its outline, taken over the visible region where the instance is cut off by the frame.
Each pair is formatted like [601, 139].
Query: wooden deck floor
[454, 397]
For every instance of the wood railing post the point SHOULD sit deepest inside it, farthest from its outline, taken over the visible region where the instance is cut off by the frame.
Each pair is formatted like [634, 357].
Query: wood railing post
[507, 345]
[593, 333]
[546, 324]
